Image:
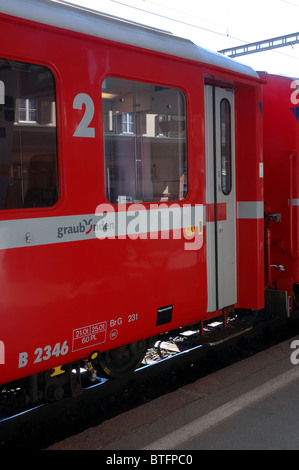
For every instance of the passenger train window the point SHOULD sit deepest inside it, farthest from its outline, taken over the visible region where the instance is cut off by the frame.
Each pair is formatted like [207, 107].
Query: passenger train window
[28, 148]
[225, 132]
[145, 143]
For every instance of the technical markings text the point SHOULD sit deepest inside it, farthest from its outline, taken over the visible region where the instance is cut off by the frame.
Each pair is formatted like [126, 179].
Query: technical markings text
[89, 336]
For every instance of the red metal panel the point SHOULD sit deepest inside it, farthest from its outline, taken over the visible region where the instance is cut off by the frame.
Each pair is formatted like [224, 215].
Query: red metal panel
[221, 212]
[249, 183]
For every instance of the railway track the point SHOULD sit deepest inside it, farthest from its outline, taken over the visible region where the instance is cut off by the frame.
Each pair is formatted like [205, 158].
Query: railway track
[174, 360]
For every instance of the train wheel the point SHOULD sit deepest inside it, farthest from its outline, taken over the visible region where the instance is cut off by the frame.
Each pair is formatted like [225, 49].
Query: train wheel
[122, 361]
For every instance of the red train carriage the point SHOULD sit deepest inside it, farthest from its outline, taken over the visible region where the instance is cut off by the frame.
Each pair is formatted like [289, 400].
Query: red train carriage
[281, 149]
[131, 189]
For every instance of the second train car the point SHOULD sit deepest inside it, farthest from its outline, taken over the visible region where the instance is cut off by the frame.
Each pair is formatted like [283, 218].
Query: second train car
[280, 152]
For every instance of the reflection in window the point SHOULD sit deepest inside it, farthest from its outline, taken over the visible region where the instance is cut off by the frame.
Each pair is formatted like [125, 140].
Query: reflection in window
[144, 141]
[28, 154]
[27, 110]
[225, 125]
[128, 123]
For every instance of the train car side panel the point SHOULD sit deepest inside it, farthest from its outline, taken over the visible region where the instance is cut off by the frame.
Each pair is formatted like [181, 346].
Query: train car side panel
[103, 226]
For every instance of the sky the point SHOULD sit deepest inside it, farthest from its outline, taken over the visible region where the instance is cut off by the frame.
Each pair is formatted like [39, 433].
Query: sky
[218, 24]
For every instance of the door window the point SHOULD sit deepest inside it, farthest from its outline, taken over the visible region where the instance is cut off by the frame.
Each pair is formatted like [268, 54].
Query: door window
[226, 152]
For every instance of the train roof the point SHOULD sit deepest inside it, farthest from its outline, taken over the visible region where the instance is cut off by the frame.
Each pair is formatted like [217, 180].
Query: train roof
[79, 19]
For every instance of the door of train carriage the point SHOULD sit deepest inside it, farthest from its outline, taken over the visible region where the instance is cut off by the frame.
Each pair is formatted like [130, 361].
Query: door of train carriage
[220, 197]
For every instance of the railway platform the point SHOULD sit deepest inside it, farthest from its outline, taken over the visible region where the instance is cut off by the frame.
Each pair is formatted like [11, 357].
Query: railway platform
[252, 404]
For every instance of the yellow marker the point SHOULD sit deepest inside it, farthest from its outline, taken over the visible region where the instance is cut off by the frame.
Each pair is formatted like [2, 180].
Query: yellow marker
[57, 371]
[190, 231]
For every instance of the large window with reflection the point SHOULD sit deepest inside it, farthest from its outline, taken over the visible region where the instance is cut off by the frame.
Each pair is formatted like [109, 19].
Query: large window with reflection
[145, 143]
[28, 147]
